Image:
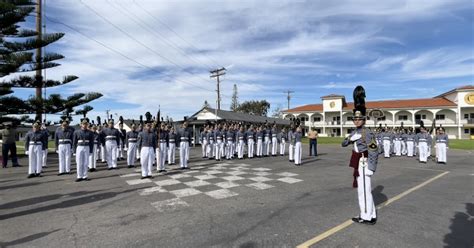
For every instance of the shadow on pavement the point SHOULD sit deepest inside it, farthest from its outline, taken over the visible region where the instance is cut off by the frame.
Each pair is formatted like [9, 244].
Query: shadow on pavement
[462, 229]
[67, 204]
[27, 238]
[39, 199]
[378, 196]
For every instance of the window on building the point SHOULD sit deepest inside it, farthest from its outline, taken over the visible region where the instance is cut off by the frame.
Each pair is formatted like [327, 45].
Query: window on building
[466, 116]
[440, 117]
[466, 131]
[403, 117]
[420, 117]
[368, 117]
[349, 118]
[317, 119]
[472, 115]
[349, 131]
[381, 118]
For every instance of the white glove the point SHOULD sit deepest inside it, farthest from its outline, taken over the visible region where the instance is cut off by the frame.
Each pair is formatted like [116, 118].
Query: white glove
[57, 151]
[73, 154]
[369, 172]
[125, 149]
[26, 153]
[356, 137]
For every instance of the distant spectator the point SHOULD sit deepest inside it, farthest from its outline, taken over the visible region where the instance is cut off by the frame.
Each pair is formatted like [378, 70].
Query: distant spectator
[9, 144]
[313, 142]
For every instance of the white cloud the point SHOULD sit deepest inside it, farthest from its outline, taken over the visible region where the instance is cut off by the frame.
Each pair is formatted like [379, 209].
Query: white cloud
[265, 45]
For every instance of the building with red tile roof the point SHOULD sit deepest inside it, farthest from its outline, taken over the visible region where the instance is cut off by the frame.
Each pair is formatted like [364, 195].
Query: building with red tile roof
[453, 110]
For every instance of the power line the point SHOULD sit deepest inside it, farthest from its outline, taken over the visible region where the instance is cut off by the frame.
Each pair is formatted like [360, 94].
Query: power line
[216, 74]
[118, 52]
[133, 38]
[155, 33]
[288, 97]
[174, 32]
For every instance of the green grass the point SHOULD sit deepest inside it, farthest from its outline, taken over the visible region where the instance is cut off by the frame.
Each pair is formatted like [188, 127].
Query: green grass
[325, 140]
[461, 144]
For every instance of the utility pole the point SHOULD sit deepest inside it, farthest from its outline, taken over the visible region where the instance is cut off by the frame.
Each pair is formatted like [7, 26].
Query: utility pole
[216, 74]
[38, 77]
[288, 97]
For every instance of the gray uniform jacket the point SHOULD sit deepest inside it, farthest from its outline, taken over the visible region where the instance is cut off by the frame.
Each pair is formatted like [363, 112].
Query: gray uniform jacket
[172, 138]
[146, 139]
[36, 137]
[164, 137]
[63, 136]
[364, 144]
[210, 136]
[83, 138]
[297, 136]
[131, 137]
[442, 138]
[240, 136]
[184, 134]
[218, 135]
[250, 134]
[230, 135]
[46, 138]
[290, 137]
[424, 137]
[110, 134]
[387, 136]
[282, 137]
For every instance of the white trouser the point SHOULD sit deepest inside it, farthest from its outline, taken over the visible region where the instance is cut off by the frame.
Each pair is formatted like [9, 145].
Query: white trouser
[82, 161]
[120, 149]
[45, 157]
[429, 151]
[386, 148]
[259, 147]
[298, 153]
[250, 148]
[171, 153]
[441, 150]
[92, 160]
[111, 153]
[131, 153]
[266, 146]
[398, 147]
[147, 157]
[183, 154]
[188, 150]
[423, 147]
[410, 148]
[210, 149]
[230, 149]
[291, 151]
[162, 156]
[274, 146]
[64, 154]
[240, 149]
[282, 147]
[35, 159]
[364, 191]
[218, 148]
[102, 153]
[204, 148]
[404, 148]
[138, 153]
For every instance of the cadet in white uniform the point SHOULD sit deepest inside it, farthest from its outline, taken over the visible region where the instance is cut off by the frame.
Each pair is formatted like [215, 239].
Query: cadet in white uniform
[83, 144]
[63, 140]
[111, 139]
[184, 136]
[423, 139]
[442, 144]
[297, 136]
[131, 146]
[34, 143]
[146, 143]
[364, 160]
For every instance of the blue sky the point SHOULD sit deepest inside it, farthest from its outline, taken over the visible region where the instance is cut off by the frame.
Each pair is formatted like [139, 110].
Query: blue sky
[395, 49]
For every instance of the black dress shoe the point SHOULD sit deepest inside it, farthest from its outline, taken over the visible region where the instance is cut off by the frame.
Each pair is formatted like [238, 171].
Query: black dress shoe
[4, 166]
[86, 179]
[60, 174]
[30, 176]
[144, 177]
[182, 168]
[38, 175]
[151, 177]
[79, 179]
[130, 166]
[16, 165]
[109, 168]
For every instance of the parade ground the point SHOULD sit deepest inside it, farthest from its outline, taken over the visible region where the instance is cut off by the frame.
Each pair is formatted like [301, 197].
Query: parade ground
[261, 202]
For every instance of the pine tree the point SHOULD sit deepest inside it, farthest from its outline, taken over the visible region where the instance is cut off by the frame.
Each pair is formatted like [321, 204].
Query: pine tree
[16, 56]
[234, 105]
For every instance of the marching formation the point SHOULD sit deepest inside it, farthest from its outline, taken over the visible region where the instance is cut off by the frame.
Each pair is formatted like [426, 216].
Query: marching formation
[405, 142]
[155, 143]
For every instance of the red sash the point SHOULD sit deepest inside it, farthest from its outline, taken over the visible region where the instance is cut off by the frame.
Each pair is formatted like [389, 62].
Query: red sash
[354, 163]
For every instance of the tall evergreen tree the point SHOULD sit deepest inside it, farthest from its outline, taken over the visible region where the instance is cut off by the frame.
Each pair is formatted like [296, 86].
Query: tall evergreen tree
[16, 56]
[235, 99]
